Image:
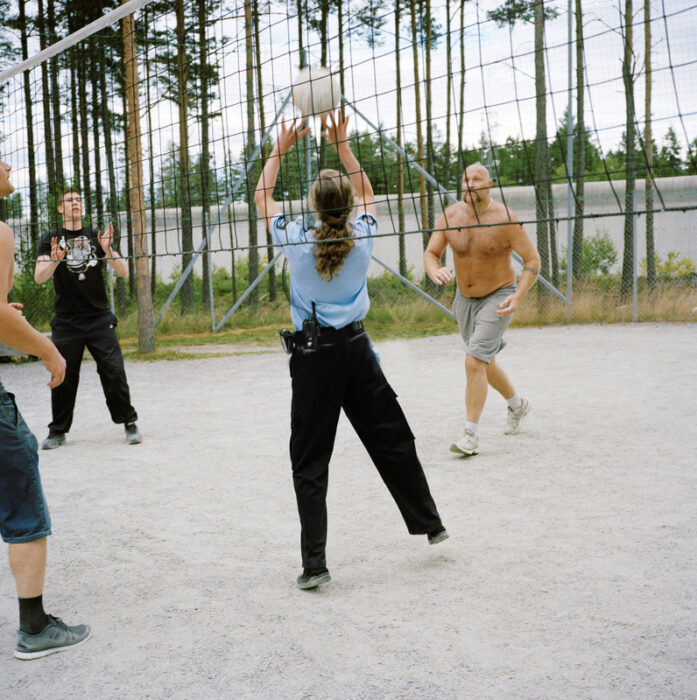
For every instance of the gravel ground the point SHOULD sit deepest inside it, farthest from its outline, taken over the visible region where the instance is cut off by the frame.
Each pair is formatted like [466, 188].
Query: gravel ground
[570, 570]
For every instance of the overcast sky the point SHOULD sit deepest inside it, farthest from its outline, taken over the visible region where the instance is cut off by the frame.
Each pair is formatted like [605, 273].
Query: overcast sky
[499, 92]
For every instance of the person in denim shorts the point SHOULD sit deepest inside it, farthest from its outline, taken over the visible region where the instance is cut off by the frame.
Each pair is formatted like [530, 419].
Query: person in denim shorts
[483, 234]
[24, 519]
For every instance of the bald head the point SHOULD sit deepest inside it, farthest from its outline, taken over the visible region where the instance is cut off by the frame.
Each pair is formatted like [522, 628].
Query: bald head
[476, 184]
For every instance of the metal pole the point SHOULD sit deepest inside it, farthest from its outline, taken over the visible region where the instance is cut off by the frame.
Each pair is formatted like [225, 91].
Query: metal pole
[634, 258]
[570, 173]
[248, 291]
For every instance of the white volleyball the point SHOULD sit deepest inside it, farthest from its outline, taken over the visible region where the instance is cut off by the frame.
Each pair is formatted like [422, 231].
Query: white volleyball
[316, 91]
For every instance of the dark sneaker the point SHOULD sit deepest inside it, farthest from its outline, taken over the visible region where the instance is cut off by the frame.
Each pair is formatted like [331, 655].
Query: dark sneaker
[133, 436]
[53, 440]
[436, 537]
[311, 578]
[57, 636]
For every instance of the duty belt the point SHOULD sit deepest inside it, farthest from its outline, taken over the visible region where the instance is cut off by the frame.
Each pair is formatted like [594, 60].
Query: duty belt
[299, 339]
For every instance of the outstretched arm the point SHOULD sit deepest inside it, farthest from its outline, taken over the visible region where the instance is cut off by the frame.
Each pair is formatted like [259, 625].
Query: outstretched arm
[14, 328]
[263, 196]
[335, 132]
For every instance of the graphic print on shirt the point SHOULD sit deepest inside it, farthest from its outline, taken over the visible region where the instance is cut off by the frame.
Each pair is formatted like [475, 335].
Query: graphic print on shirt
[81, 254]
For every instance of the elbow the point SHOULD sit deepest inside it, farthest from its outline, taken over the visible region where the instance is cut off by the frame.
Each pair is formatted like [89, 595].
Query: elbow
[259, 199]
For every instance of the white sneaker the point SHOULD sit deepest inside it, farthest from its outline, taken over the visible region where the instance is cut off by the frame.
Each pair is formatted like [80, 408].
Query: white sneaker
[515, 416]
[467, 444]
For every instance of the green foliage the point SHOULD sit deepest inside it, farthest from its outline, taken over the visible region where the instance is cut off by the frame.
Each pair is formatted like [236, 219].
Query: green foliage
[513, 10]
[38, 299]
[673, 267]
[599, 255]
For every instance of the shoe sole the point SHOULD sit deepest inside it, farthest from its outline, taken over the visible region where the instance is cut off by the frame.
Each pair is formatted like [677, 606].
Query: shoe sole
[440, 537]
[517, 430]
[460, 451]
[27, 655]
[52, 447]
[315, 581]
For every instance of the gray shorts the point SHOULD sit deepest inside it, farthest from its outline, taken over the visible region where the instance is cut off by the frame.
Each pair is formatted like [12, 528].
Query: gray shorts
[480, 326]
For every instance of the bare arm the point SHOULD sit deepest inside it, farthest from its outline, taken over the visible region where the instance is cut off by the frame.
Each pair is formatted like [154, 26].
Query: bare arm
[15, 331]
[335, 132]
[434, 251]
[263, 196]
[523, 245]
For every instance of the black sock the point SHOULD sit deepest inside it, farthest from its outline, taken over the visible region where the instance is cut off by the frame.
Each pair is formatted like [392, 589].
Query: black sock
[32, 618]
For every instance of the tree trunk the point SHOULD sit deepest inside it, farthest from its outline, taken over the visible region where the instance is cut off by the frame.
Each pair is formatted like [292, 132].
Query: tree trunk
[74, 72]
[48, 135]
[28, 104]
[136, 196]
[648, 141]
[205, 153]
[265, 149]
[96, 104]
[55, 99]
[460, 127]
[151, 170]
[630, 174]
[84, 130]
[187, 290]
[251, 178]
[419, 134]
[541, 153]
[580, 150]
[113, 204]
[400, 163]
[429, 121]
[448, 88]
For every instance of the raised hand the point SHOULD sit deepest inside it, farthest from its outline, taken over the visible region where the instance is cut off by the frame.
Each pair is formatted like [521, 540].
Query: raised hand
[335, 128]
[57, 252]
[106, 238]
[290, 135]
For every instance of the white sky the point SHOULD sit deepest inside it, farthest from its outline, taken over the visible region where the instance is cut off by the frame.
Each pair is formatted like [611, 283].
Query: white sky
[500, 94]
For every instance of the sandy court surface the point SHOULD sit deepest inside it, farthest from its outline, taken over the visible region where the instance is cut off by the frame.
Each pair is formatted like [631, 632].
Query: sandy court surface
[570, 570]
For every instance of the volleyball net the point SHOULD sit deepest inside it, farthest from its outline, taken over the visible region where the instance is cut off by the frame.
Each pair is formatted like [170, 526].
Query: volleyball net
[431, 87]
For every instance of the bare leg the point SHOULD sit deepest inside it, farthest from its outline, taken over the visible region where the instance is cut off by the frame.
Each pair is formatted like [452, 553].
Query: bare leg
[28, 565]
[476, 391]
[499, 380]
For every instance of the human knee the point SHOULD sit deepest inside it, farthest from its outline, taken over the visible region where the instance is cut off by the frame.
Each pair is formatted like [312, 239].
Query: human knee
[474, 365]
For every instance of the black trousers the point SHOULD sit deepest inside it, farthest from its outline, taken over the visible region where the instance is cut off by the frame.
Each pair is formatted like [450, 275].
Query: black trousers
[104, 347]
[344, 373]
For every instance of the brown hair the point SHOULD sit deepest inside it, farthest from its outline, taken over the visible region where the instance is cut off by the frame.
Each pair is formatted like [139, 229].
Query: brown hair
[332, 197]
[68, 191]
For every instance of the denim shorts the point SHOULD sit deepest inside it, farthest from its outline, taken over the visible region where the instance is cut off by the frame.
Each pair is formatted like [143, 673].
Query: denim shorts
[24, 515]
[480, 326]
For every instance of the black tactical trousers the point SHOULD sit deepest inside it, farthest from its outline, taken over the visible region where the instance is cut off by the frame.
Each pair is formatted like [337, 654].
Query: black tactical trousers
[343, 372]
[104, 347]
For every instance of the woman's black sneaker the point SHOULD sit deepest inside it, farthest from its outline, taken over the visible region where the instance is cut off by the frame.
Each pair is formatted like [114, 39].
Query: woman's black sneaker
[311, 578]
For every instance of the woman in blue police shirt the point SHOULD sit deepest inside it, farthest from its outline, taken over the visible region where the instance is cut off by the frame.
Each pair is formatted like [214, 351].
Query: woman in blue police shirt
[332, 365]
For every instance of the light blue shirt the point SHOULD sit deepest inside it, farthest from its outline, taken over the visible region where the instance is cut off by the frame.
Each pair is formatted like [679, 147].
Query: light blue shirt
[340, 301]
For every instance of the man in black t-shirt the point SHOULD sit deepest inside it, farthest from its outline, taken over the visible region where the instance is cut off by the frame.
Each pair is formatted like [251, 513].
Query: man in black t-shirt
[74, 256]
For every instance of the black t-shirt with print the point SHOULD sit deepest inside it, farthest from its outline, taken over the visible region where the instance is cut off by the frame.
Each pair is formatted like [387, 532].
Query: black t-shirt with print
[78, 279]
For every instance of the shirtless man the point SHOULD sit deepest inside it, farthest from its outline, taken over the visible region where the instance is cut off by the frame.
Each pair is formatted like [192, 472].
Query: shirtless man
[487, 295]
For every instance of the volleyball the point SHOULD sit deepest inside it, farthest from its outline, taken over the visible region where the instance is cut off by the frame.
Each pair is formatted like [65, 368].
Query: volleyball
[316, 91]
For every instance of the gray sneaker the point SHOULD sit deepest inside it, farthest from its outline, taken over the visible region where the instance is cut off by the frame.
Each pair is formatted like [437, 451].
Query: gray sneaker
[313, 578]
[467, 444]
[133, 436]
[57, 636]
[515, 416]
[53, 440]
